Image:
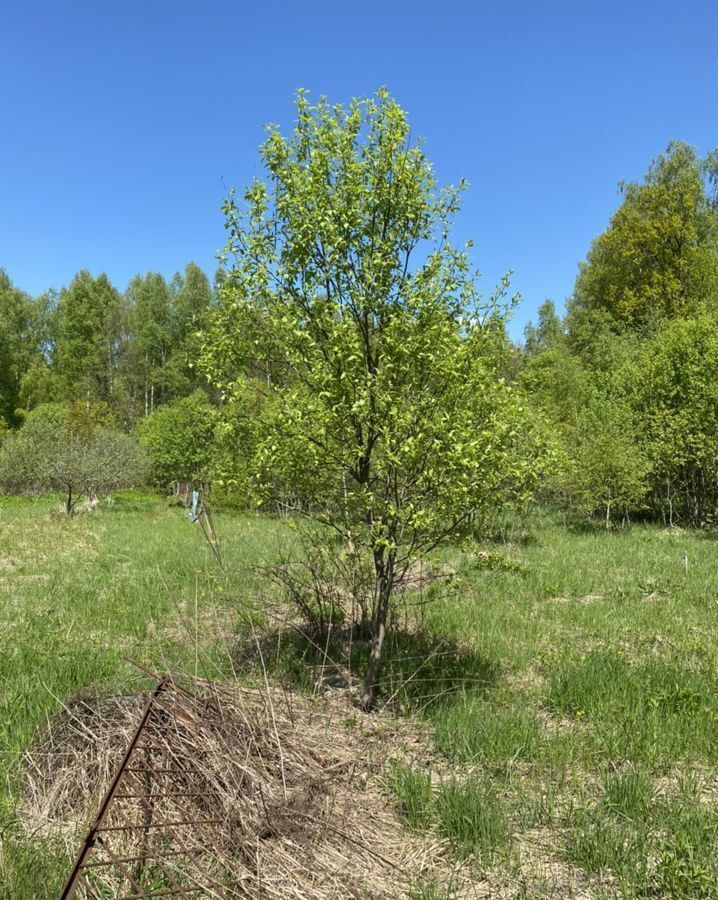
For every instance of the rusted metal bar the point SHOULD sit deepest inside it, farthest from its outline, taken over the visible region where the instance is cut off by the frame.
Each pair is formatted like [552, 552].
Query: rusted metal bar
[148, 805]
[88, 887]
[89, 842]
[169, 892]
[189, 889]
[134, 882]
[139, 825]
[169, 875]
[198, 865]
[178, 867]
[151, 854]
[167, 878]
[155, 676]
[153, 796]
[154, 747]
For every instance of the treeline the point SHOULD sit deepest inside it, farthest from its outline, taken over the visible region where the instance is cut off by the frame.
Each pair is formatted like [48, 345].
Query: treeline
[623, 387]
[628, 379]
[127, 353]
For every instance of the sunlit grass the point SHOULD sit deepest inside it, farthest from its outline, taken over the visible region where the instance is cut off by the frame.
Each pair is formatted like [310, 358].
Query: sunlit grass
[466, 812]
[605, 647]
[569, 680]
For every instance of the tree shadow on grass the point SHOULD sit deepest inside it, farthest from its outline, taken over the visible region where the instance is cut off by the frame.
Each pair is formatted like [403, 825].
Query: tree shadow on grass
[578, 524]
[131, 502]
[581, 526]
[418, 674]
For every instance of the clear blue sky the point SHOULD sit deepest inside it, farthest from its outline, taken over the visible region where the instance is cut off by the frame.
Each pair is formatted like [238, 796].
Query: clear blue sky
[120, 120]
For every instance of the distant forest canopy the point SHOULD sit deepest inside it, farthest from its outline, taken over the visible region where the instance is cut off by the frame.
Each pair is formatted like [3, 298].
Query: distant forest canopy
[624, 385]
[128, 352]
[628, 379]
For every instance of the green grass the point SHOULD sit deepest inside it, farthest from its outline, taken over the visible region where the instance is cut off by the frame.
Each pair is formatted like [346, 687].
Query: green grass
[414, 793]
[469, 814]
[603, 650]
[570, 682]
[466, 812]
[477, 729]
[136, 580]
[653, 847]
[649, 710]
[78, 596]
[628, 794]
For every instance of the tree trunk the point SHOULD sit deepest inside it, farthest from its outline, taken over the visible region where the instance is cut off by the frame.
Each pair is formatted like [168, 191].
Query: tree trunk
[68, 502]
[385, 586]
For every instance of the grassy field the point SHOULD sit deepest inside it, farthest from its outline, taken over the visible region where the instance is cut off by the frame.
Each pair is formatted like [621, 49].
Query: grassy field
[568, 678]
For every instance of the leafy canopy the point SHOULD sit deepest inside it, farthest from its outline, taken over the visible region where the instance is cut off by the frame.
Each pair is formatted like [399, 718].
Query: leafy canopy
[675, 390]
[59, 449]
[179, 438]
[378, 374]
[658, 259]
[350, 329]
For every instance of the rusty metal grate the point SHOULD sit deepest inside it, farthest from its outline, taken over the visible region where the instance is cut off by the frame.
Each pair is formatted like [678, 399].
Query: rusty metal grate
[222, 792]
[157, 828]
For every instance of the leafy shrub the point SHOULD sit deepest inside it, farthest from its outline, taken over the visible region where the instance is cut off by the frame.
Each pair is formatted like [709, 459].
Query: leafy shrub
[51, 452]
[179, 437]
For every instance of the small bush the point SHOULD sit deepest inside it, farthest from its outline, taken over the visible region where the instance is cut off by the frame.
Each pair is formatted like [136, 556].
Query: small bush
[65, 449]
[179, 437]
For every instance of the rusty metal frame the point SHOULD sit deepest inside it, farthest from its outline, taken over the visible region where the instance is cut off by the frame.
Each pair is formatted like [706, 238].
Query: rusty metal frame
[136, 766]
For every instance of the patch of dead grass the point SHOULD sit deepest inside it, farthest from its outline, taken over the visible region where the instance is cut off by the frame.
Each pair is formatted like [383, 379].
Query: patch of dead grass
[296, 782]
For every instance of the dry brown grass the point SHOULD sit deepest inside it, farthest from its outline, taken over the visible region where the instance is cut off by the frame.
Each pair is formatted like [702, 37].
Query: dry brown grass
[296, 783]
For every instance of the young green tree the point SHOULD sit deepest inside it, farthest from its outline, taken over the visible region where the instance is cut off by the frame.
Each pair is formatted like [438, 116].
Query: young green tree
[55, 450]
[658, 258]
[20, 345]
[547, 334]
[349, 311]
[191, 297]
[152, 339]
[609, 469]
[40, 383]
[675, 389]
[559, 385]
[191, 300]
